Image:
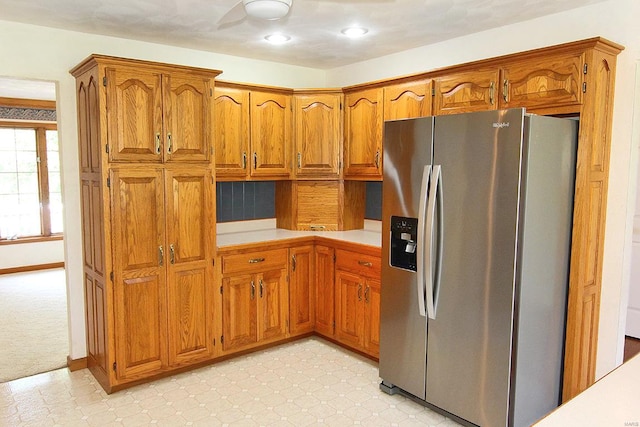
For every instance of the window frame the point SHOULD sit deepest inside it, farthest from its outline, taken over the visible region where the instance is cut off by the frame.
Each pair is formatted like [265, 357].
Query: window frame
[40, 129]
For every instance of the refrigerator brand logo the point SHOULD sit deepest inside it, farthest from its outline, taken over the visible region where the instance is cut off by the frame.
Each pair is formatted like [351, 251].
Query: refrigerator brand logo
[501, 125]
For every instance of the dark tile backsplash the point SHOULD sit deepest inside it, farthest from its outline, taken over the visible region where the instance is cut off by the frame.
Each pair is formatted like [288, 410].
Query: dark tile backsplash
[238, 201]
[373, 207]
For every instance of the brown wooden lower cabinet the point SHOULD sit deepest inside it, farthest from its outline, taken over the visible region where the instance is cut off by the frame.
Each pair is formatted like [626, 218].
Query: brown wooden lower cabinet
[254, 299]
[302, 284]
[324, 257]
[357, 301]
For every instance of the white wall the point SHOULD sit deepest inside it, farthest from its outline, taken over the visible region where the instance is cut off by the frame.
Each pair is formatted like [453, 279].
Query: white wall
[616, 20]
[34, 52]
[22, 254]
[632, 327]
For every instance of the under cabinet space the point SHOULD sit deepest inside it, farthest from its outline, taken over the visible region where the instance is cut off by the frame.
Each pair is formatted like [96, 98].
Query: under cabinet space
[320, 205]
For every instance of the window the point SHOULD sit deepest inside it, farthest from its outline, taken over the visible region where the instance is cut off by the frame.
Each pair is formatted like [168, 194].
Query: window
[30, 196]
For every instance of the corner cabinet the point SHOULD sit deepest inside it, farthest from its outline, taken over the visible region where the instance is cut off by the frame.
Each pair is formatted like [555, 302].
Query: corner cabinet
[302, 285]
[148, 209]
[363, 126]
[318, 134]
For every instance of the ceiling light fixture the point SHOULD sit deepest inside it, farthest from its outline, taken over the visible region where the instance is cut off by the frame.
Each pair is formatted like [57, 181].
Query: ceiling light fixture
[354, 31]
[267, 9]
[277, 38]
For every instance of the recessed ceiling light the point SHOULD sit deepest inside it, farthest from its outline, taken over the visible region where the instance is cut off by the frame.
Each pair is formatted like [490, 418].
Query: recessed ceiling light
[354, 31]
[277, 38]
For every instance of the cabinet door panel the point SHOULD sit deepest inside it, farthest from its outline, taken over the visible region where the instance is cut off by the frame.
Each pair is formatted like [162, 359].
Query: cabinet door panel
[349, 311]
[190, 325]
[140, 324]
[239, 326]
[190, 239]
[190, 232]
[465, 92]
[134, 99]
[188, 118]
[363, 134]
[270, 134]
[407, 100]
[139, 273]
[325, 291]
[273, 306]
[231, 132]
[318, 134]
[302, 290]
[546, 82]
[372, 317]
[138, 218]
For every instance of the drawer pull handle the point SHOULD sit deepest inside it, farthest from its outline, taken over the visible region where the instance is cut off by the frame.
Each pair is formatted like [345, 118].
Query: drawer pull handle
[253, 291]
[261, 287]
[255, 260]
[365, 263]
[359, 291]
[366, 294]
[317, 227]
[293, 262]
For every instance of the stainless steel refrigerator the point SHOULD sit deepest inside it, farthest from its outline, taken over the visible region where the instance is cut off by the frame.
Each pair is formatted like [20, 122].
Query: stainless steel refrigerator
[477, 214]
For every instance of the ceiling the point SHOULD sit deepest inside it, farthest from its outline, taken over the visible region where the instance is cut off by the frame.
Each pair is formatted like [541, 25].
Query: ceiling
[314, 25]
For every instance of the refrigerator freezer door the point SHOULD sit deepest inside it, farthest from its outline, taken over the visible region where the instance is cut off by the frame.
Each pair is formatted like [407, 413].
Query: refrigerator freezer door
[403, 331]
[469, 346]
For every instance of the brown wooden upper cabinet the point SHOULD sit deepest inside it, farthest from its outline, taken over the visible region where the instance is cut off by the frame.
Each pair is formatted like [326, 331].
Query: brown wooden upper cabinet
[158, 116]
[271, 122]
[551, 81]
[231, 132]
[466, 91]
[318, 134]
[535, 83]
[363, 120]
[253, 132]
[407, 100]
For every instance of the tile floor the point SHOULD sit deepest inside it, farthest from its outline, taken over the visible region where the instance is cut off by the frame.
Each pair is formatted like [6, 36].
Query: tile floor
[307, 382]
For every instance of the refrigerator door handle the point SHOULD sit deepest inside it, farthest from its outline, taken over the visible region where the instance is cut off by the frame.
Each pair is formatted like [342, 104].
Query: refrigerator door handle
[421, 258]
[435, 195]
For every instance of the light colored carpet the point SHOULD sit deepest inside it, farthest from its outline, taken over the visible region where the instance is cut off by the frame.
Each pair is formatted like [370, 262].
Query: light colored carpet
[34, 333]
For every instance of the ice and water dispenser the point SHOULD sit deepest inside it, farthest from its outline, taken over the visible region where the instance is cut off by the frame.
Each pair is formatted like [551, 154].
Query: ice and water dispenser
[404, 235]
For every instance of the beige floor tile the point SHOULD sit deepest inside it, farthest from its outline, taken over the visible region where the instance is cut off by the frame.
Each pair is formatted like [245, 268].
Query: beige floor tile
[307, 382]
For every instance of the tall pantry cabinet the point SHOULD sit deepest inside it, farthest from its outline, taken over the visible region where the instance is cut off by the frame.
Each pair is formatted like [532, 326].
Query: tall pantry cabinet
[148, 206]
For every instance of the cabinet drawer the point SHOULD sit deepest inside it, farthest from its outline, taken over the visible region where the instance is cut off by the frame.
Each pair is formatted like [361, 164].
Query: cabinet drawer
[252, 261]
[365, 265]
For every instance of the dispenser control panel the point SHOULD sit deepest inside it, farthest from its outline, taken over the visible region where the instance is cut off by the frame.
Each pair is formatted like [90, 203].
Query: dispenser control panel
[404, 238]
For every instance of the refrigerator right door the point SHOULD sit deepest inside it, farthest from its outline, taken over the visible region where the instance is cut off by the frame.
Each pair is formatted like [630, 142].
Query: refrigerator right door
[469, 345]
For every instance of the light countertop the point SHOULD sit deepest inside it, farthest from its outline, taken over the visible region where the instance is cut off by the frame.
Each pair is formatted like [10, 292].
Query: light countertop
[245, 232]
[614, 400]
